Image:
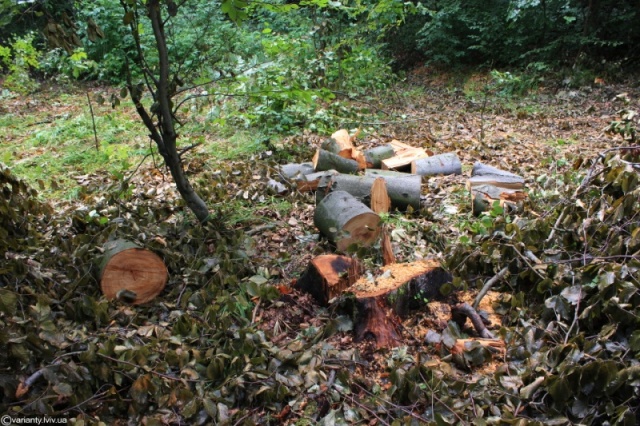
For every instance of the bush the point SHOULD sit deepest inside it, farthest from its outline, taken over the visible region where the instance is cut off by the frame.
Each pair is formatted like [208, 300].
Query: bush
[20, 59]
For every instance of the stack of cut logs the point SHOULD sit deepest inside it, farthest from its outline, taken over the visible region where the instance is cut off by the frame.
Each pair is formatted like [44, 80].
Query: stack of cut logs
[352, 188]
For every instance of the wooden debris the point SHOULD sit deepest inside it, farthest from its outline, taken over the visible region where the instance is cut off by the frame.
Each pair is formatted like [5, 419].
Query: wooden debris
[489, 185]
[442, 164]
[403, 189]
[374, 156]
[387, 249]
[134, 274]
[325, 160]
[380, 201]
[340, 143]
[493, 345]
[295, 171]
[404, 155]
[344, 220]
[326, 277]
[462, 311]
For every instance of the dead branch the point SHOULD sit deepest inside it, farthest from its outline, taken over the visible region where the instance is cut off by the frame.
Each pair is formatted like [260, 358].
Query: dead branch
[462, 311]
[488, 286]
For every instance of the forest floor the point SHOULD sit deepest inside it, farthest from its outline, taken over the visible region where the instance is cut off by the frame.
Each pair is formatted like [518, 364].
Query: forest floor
[550, 136]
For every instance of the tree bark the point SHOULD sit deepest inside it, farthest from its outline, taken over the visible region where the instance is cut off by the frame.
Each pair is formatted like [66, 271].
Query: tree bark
[345, 220]
[403, 189]
[442, 164]
[164, 134]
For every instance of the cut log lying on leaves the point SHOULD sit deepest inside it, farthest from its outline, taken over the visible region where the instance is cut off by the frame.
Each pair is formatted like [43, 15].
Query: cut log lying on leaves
[374, 156]
[442, 164]
[295, 171]
[403, 158]
[489, 184]
[483, 197]
[130, 273]
[325, 160]
[313, 180]
[487, 175]
[403, 189]
[340, 143]
[344, 220]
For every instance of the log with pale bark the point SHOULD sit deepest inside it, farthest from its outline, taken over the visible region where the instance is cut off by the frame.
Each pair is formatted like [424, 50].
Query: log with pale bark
[441, 164]
[327, 277]
[403, 189]
[131, 274]
[295, 171]
[345, 221]
[374, 156]
[326, 160]
[340, 143]
[488, 185]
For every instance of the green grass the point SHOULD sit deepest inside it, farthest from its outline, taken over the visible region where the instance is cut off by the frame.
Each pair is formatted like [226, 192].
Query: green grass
[52, 143]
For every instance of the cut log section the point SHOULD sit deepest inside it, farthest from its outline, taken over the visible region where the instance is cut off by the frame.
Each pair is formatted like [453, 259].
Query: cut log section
[325, 160]
[483, 174]
[374, 156]
[130, 273]
[403, 189]
[442, 164]
[340, 144]
[489, 184]
[295, 171]
[344, 220]
[484, 196]
[380, 201]
[313, 180]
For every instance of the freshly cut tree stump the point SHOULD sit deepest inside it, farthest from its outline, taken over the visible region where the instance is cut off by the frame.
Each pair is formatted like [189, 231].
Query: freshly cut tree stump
[442, 164]
[374, 156]
[489, 184]
[344, 220]
[325, 160]
[326, 277]
[130, 273]
[403, 189]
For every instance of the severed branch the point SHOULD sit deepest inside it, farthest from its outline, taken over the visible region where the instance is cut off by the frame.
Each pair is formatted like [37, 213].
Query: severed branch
[462, 311]
[501, 274]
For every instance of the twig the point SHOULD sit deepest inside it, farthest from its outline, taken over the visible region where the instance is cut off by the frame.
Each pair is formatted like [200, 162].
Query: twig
[148, 370]
[255, 312]
[462, 311]
[488, 285]
[260, 228]
[555, 225]
[575, 318]
[184, 150]
[93, 120]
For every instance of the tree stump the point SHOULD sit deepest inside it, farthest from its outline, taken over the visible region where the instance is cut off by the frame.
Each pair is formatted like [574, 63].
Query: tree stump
[345, 220]
[442, 164]
[130, 273]
[379, 298]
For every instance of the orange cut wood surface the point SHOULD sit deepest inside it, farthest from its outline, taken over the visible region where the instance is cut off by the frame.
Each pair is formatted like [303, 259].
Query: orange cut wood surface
[138, 270]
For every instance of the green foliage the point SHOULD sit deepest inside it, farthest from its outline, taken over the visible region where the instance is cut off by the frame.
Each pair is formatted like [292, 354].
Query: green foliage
[20, 58]
[517, 32]
[58, 62]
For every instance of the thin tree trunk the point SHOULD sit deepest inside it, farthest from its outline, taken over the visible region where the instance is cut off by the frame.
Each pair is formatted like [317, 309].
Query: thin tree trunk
[166, 138]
